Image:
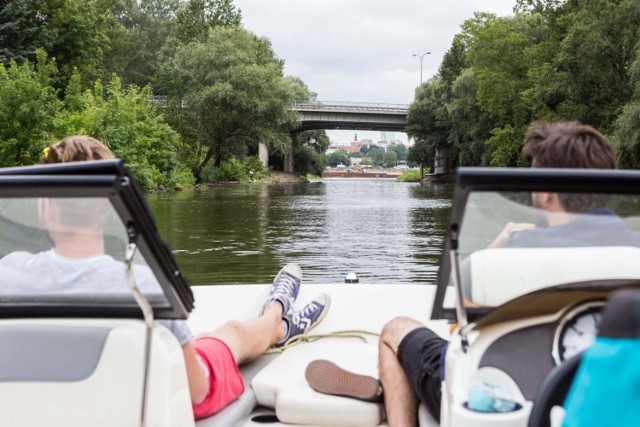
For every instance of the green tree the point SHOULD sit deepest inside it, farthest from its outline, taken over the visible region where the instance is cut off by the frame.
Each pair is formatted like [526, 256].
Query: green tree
[339, 157]
[196, 17]
[233, 94]
[28, 109]
[130, 126]
[400, 150]
[308, 146]
[390, 159]
[376, 154]
[138, 30]
[626, 134]
[427, 121]
[22, 30]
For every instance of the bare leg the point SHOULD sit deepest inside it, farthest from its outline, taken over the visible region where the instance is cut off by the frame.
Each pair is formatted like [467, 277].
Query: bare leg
[248, 340]
[400, 401]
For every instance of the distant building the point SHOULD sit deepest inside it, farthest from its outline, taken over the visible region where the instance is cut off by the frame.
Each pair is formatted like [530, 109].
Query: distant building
[366, 142]
[386, 136]
[351, 149]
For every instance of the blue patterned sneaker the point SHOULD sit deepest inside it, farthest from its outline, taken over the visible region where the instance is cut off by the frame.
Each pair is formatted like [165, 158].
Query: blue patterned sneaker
[285, 288]
[301, 322]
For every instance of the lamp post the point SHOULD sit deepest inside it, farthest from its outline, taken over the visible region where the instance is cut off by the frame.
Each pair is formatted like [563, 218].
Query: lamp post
[421, 58]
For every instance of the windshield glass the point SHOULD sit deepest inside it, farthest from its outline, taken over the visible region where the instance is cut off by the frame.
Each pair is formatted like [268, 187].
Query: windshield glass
[512, 243]
[67, 250]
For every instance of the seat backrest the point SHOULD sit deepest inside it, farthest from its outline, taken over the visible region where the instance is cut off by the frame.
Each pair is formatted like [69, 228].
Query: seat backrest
[500, 275]
[89, 372]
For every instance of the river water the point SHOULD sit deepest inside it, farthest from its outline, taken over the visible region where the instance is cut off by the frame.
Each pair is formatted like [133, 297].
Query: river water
[384, 231]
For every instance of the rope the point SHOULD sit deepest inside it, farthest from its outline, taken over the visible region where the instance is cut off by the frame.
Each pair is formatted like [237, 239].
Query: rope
[299, 339]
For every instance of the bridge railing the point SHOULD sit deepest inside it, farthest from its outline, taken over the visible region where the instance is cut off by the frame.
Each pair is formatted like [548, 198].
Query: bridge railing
[356, 106]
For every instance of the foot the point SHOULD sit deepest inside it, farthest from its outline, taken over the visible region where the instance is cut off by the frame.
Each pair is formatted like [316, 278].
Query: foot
[285, 288]
[301, 322]
[326, 377]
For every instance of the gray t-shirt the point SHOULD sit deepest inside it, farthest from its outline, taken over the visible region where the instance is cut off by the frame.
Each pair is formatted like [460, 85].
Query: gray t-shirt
[24, 273]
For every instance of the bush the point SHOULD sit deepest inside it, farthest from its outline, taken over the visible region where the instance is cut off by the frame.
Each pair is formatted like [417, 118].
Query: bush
[231, 170]
[411, 175]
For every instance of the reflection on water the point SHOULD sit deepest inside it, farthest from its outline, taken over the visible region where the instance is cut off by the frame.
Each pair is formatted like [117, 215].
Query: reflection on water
[385, 231]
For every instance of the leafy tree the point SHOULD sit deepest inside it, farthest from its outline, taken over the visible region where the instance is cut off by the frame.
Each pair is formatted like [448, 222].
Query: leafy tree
[427, 121]
[339, 157]
[78, 31]
[301, 90]
[626, 134]
[196, 17]
[138, 30]
[133, 129]
[233, 93]
[400, 150]
[376, 154]
[28, 109]
[390, 159]
[22, 30]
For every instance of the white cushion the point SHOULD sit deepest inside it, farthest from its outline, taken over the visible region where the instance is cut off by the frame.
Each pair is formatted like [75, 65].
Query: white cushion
[499, 275]
[282, 385]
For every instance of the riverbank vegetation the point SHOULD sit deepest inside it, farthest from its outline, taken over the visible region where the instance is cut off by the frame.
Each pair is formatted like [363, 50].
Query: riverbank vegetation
[178, 89]
[574, 60]
[183, 93]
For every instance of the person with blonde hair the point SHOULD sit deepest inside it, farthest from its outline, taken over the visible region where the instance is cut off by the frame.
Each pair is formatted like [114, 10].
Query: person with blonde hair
[78, 260]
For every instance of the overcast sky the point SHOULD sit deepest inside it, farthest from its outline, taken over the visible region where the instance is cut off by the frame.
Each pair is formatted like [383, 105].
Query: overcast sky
[361, 50]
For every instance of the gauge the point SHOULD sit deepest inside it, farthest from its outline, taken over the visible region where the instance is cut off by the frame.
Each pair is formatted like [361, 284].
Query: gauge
[577, 330]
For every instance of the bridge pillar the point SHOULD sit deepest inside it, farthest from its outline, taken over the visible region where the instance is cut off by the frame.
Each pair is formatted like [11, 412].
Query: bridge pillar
[287, 164]
[263, 154]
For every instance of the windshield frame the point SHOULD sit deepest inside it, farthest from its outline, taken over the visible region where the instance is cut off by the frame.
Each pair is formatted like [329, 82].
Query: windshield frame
[470, 180]
[107, 179]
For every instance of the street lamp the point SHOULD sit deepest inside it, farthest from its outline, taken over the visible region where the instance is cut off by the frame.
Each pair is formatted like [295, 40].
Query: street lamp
[421, 58]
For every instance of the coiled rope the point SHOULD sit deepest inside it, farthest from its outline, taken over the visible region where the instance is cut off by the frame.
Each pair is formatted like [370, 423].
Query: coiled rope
[299, 339]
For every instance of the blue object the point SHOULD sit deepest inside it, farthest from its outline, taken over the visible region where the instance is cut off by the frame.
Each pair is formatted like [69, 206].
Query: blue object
[485, 397]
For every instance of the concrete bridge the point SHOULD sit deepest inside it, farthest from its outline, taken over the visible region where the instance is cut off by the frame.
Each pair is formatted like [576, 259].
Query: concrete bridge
[351, 116]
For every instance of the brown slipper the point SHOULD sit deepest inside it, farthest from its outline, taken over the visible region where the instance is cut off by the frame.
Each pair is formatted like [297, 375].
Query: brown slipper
[326, 377]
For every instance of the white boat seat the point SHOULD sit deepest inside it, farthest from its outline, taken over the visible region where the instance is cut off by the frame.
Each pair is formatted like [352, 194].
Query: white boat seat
[282, 385]
[81, 372]
[499, 275]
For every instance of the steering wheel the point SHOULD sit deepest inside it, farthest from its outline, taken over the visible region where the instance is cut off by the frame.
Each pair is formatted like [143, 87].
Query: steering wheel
[553, 391]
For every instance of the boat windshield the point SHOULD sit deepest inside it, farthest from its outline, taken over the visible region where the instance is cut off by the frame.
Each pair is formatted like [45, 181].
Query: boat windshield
[68, 250]
[512, 243]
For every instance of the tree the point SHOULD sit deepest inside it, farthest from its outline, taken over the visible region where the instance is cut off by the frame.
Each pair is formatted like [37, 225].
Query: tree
[400, 150]
[196, 17]
[130, 126]
[234, 94]
[376, 154]
[308, 146]
[390, 159]
[339, 157]
[28, 108]
[138, 30]
[427, 121]
[22, 30]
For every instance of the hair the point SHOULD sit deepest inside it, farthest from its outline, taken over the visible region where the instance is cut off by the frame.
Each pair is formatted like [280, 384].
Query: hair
[77, 148]
[570, 145]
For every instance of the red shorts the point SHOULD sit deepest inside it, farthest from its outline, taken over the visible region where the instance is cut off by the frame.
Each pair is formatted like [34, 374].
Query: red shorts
[225, 382]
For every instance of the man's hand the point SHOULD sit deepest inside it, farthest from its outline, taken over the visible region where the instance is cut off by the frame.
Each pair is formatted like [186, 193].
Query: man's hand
[503, 238]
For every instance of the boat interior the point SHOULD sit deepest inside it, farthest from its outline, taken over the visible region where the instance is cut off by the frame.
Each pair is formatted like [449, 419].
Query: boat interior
[513, 315]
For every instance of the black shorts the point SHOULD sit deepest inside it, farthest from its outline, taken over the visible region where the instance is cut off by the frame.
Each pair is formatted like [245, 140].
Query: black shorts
[421, 354]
